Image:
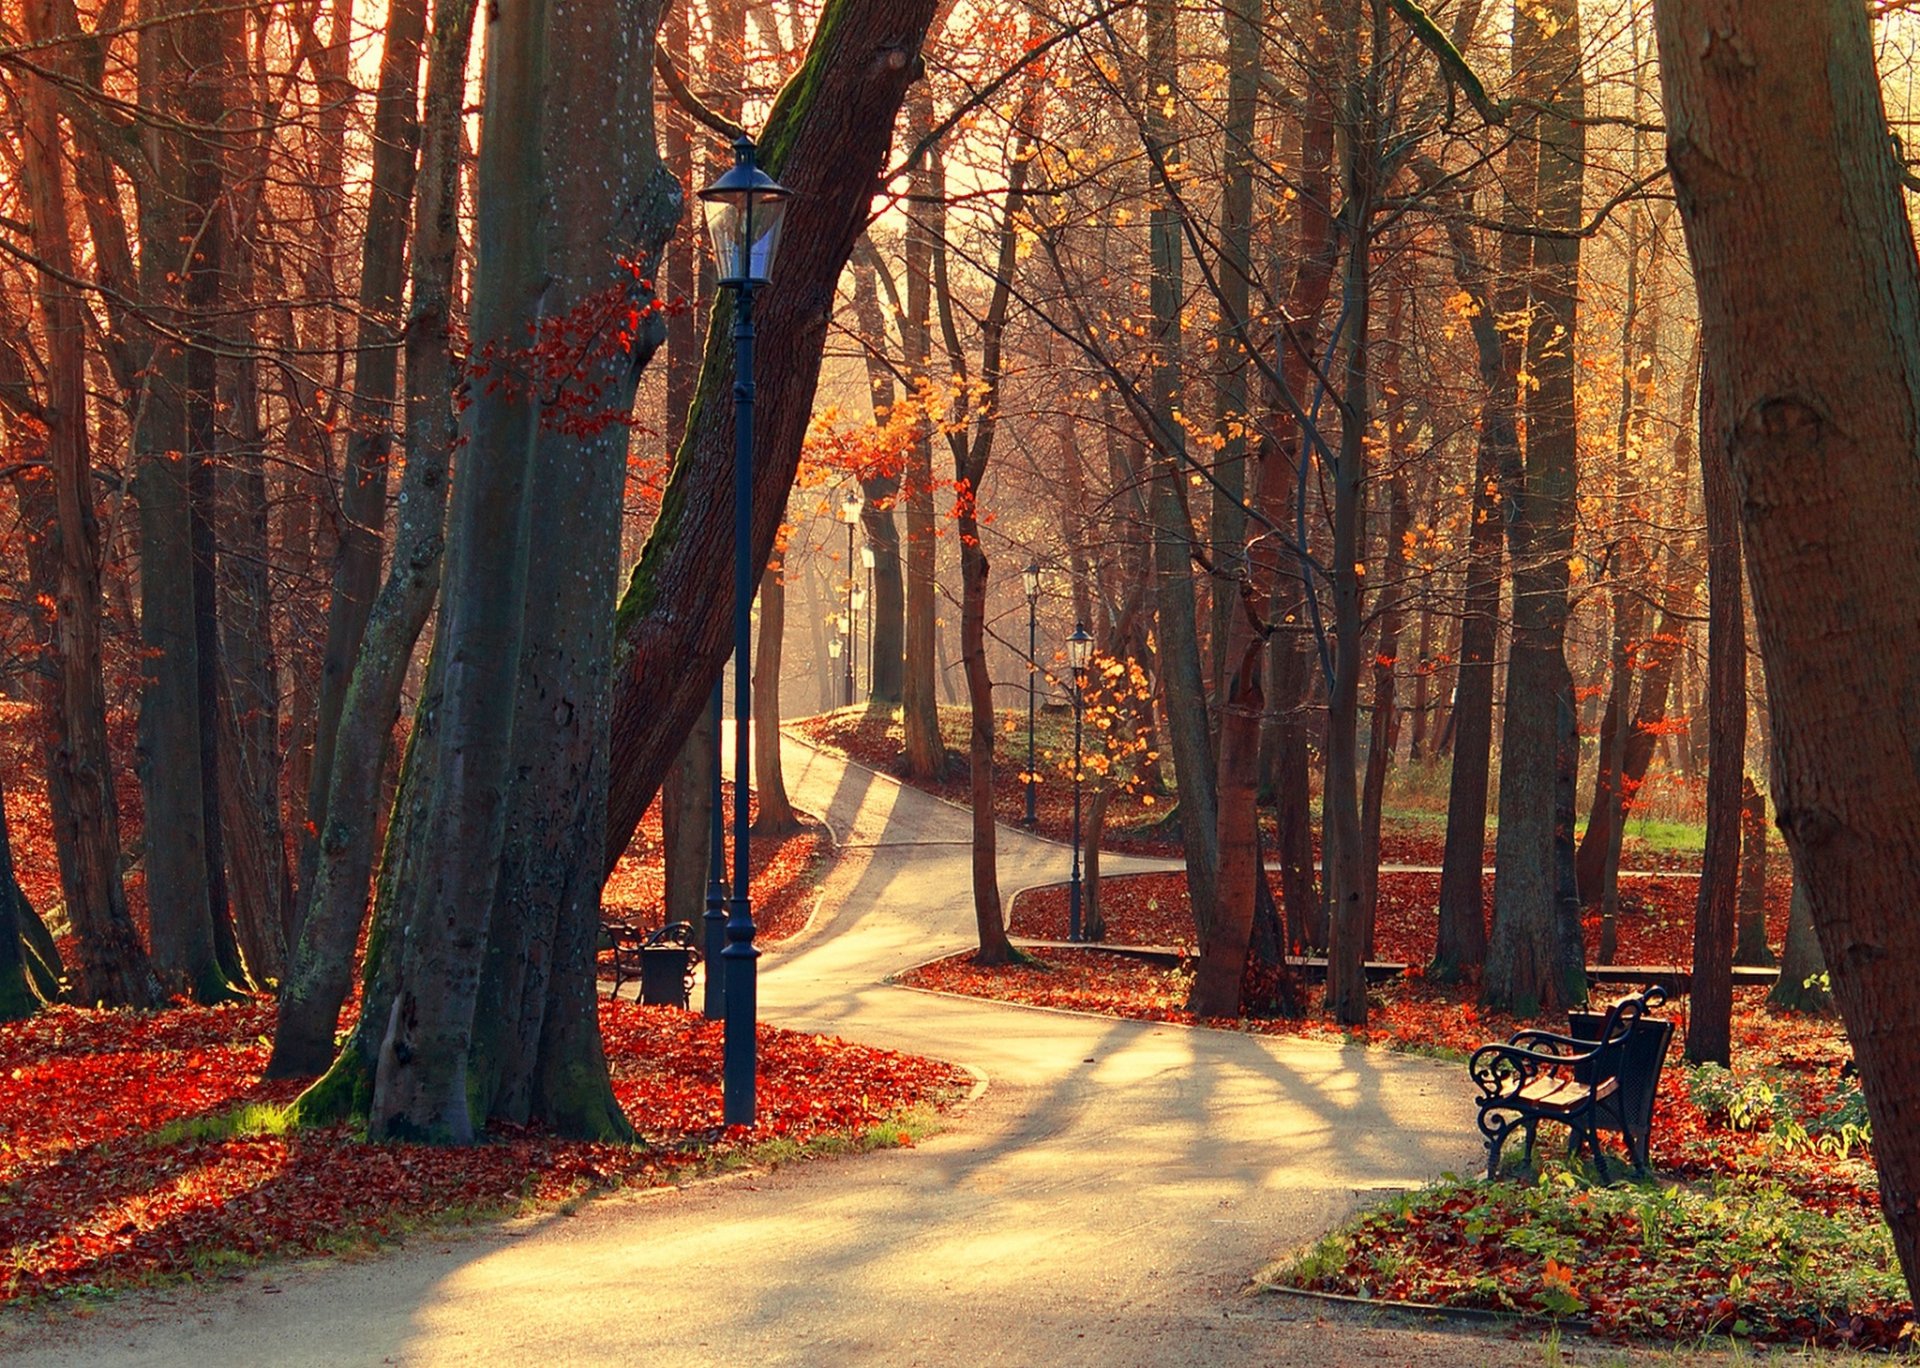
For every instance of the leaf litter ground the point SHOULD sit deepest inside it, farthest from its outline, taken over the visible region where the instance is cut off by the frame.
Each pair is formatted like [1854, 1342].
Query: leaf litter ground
[1763, 1217]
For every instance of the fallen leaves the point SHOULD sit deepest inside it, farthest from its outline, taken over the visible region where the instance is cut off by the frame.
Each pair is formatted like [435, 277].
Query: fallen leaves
[115, 1165]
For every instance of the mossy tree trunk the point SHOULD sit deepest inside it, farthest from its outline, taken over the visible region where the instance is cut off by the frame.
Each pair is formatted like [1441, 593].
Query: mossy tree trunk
[495, 1009]
[828, 135]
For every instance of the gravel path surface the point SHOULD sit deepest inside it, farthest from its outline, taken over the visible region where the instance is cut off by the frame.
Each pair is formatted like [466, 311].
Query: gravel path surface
[1104, 1202]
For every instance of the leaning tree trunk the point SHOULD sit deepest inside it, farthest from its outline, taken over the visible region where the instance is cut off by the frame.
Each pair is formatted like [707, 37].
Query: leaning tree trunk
[321, 967]
[828, 135]
[363, 492]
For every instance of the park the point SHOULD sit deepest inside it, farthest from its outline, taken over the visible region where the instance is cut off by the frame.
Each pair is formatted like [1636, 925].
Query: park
[957, 681]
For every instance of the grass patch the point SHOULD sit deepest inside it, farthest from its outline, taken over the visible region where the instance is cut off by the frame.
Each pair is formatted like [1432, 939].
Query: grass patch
[1737, 1256]
[254, 1118]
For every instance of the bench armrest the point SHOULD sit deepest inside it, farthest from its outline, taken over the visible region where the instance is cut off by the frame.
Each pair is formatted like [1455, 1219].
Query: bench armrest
[1500, 1071]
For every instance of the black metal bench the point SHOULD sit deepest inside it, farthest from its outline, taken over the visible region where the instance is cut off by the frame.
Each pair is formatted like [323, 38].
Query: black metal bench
[662, 960]
[1601, 1076]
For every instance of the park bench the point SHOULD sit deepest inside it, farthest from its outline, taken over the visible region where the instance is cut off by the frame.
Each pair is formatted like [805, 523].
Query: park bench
[662, 960]
[1602, 1075]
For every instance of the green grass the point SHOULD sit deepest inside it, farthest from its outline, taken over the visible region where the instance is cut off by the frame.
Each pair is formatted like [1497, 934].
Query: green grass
[255, 1118]
[1668, 1261]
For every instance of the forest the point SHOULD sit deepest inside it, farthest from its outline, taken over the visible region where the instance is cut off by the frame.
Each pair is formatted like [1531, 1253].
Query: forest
[1442, 478]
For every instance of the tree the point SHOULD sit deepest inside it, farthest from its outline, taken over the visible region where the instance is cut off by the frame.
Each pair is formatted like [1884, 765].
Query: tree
[1535, 959]
[1810, 311]
[826, 140]
[20, 995]
[321, 967]
[113, 966]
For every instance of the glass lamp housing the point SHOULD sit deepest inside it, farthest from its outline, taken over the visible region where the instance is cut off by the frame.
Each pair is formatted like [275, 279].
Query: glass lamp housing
[1079, 648]
[746, 209]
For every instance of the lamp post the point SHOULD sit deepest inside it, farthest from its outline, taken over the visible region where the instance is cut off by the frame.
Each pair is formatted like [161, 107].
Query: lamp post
[850, 515]
[866, 561]
[713, 999]
[745, 210]
[853, 660]
[1031, 576]
[1079, 656]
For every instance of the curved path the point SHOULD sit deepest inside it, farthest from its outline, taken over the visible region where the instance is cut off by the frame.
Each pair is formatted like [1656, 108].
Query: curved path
[1104, 1201]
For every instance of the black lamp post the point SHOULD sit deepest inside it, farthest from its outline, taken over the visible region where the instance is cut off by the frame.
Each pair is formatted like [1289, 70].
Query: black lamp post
[866, 562]
[746, 209]
[1031, 575]
[1079, 656]
[850, 515]
[713, 999]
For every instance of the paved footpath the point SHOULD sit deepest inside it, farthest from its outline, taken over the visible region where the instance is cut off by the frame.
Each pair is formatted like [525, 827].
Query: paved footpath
[1104, 1202]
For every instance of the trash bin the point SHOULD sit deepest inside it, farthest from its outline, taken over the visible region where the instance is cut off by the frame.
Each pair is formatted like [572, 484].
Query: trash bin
[664, 974]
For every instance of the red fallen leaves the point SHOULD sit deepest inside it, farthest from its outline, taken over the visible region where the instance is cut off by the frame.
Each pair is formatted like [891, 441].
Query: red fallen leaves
[87, 1197]
[1655, 924]
[784, 876]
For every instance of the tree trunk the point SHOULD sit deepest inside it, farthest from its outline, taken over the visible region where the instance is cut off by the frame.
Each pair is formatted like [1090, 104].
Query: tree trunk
[19, 997]
[1710, 1022]
[1534, 957]
[1181, 673]
[776, 816]
[1342, 849]
[880, 493]
[1461, 947]
[321, 967]
[363, 491]
[1750, 946]
[1243, 22]
[920, 708]
[686, 818]
[170, 457]
[113, 967]
[1804, 983]
[825, 140]
[422, 1089]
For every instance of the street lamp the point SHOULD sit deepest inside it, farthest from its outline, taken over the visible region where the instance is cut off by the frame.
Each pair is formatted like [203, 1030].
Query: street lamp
[1031, 576]
[745, 209]
[1079, 656]
[866, 561]
[859, 605]
[850, 515]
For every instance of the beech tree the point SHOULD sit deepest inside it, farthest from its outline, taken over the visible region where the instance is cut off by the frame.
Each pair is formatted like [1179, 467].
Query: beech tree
[1809, 289]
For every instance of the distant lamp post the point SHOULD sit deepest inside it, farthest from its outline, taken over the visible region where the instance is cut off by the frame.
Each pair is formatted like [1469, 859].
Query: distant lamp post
[866, 563]
[859, 606]
[746, 209]
[1080, 657]
[1031, 578]
[850, 507]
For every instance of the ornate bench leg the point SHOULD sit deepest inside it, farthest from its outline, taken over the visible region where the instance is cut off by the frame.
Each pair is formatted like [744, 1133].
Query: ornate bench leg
[1496, 1130]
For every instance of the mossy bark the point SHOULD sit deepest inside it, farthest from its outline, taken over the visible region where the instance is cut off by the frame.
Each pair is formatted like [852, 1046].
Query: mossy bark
[829, 133]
